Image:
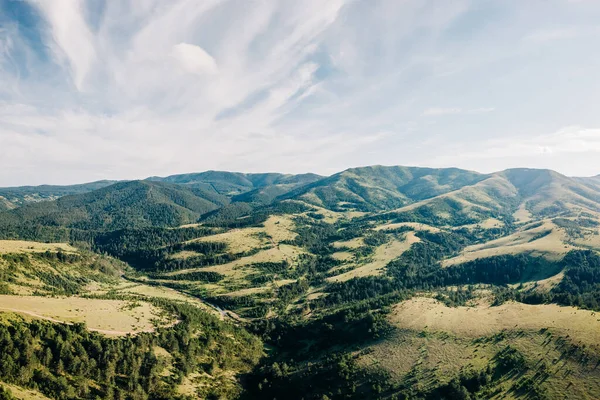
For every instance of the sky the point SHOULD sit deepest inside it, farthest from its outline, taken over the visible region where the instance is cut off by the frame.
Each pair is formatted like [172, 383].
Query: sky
[126, 89]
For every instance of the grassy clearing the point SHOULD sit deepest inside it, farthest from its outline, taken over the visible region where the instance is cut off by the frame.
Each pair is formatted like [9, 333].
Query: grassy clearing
[239, 240]
[415, 225]
[343, 256]
[275, 254]
[330, 216]
[543, 285]
[182, 255]
[166, 293]
[591, 240]
[247, 291]
[110, 317]
[280, 228]
[434, 344]
[40, 273]
[552, 245]
[349, 244]
[24, 394]
[470, 322]
[407, 351]
[276, 229]
[382, 256]
[21, 246]
[422, 360]
[522, 214]
[490, 223]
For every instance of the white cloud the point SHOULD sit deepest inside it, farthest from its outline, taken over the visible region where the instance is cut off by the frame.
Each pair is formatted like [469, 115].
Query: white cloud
[437, 111]
[71, 36]
[194, 59]
[552, 35]
[572, 148]
[152, 87]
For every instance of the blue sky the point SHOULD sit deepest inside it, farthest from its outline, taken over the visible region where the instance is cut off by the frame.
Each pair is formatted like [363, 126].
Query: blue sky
[132, 88]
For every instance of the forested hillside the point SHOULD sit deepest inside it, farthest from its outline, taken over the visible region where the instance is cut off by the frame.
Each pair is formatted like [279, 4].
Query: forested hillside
[19, 196]
[122, 205]
[376, 282]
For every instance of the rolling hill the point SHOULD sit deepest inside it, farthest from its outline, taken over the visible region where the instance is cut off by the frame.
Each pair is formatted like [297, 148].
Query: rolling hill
[434, 196]
[5, 204]
[236, 183]
[18, 196]
[523, 194]
[376, 282]
[379, 188]
[546, 192]
[122, 205]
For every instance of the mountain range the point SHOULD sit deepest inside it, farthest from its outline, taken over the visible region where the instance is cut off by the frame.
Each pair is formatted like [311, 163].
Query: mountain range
[375, 282]
[185, 198]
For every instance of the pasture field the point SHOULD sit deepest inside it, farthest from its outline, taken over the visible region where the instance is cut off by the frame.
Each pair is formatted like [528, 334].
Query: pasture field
[24, 394]
[22, 246]
[279, 228]
[237, 268]
[547, 241]
[239, 240]
[382, 256]
[433, 344]
[110, 317]
[426, 313]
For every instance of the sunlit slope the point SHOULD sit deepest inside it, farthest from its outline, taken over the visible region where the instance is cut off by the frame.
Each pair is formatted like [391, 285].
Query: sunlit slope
[592, 182]
[526, 351]
[5, 204]
[523, 194]
[548, 193]
[382, 188]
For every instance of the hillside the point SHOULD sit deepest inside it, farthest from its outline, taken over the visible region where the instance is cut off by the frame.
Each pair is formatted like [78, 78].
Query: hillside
[546, 192]
[22, 195]
[126, 204]
[236, 183]
[73, 328]
[6, 205]
[376, 282]
[383, 188]
[592, 182]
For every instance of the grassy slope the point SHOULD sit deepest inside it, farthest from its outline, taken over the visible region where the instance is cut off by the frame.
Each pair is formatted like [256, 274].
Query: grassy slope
[439, 352]
[380, 188]
[117, 307]
[434, 344]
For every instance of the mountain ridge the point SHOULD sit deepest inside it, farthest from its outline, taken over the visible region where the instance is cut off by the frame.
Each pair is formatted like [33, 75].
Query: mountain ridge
[460, 194]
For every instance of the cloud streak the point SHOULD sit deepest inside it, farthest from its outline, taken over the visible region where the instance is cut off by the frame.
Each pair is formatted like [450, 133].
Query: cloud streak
[132, 88]
[438, 111]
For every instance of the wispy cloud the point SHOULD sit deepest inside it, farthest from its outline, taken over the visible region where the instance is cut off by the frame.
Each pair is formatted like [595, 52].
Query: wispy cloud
[131, 88]
[437, 111]
[551, 35]
[569, 145]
